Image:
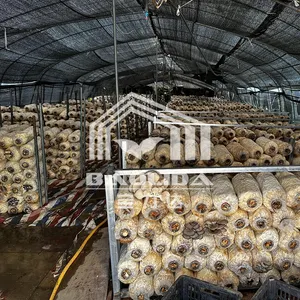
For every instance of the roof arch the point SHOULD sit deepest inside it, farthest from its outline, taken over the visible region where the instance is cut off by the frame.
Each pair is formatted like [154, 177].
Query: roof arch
[71, 40]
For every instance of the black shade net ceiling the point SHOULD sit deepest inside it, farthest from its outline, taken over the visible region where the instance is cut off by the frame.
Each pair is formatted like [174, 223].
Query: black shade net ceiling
[247, 43]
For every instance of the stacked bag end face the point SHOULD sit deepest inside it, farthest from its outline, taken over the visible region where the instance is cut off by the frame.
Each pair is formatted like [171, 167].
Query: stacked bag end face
[18, 170]
[261, 143]
[239, 230]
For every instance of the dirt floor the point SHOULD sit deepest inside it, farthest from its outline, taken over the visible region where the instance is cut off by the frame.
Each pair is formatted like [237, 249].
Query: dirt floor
[88, 278]
[29, 255]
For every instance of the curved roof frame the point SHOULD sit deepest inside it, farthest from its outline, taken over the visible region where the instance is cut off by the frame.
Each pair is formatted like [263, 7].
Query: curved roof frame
[239, 59]
[127, 42]
[236, 33]
[260, 42]
[120, 61]
[168, 16]
[93, 49]
[173, 56]
[101, 26]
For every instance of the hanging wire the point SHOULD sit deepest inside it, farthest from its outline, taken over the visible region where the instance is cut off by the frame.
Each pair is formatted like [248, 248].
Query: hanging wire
[181, 6]
[195, 41]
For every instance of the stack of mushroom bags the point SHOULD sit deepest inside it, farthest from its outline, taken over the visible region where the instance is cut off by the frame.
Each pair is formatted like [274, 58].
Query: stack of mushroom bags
[217, 107]
[230, 230]
[232, 145]
[202, 103]
[62, 153]
[62, 141]
[132, 126]
[228, 147]
[20, 115]
[61, 156]
[18, 170]
[62, 133]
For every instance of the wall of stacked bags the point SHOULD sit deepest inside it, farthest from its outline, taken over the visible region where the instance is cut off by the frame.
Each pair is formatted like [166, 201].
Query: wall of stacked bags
[241, 230]
[222, 108]
[133, 127]
[18, 170]
[212, 104]
[255, 145]
[61, 132]
[62, 138]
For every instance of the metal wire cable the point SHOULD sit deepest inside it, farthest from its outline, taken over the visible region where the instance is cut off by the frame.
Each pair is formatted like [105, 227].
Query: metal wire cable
[195, 41]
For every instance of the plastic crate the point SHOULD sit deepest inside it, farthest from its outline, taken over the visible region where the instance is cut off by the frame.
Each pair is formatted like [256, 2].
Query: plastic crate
[188, 288]
[277, 290]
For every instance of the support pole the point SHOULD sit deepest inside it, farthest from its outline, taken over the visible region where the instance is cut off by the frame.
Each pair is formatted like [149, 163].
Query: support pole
[84, 136]
[68, 104]
[51, 95]
[110, 192]
[156, 71]
[40, 116]
[41, 131]
[117, 77]
[62, 95]
[11, 107]
[81, 135]
[33, 94]
[76, 99]
[37, 162]
[16, 97]
[20, 96]
[72, 90]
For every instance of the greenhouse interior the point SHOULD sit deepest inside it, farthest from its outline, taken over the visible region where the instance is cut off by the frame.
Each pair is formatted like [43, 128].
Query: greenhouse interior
[150, 149]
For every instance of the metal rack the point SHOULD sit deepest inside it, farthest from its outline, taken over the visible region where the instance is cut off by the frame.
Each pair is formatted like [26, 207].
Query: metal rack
[82, 109]
[82, 133]
[223, 125]
[172, 123]
[111, 186]
[39, 131]
[227, 118]
[44, 182]
[215, 111]
[42, 189]
[197, 115]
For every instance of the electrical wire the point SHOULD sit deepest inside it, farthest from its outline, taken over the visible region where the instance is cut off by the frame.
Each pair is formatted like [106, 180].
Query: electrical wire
[193, 38]
[66, 268]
